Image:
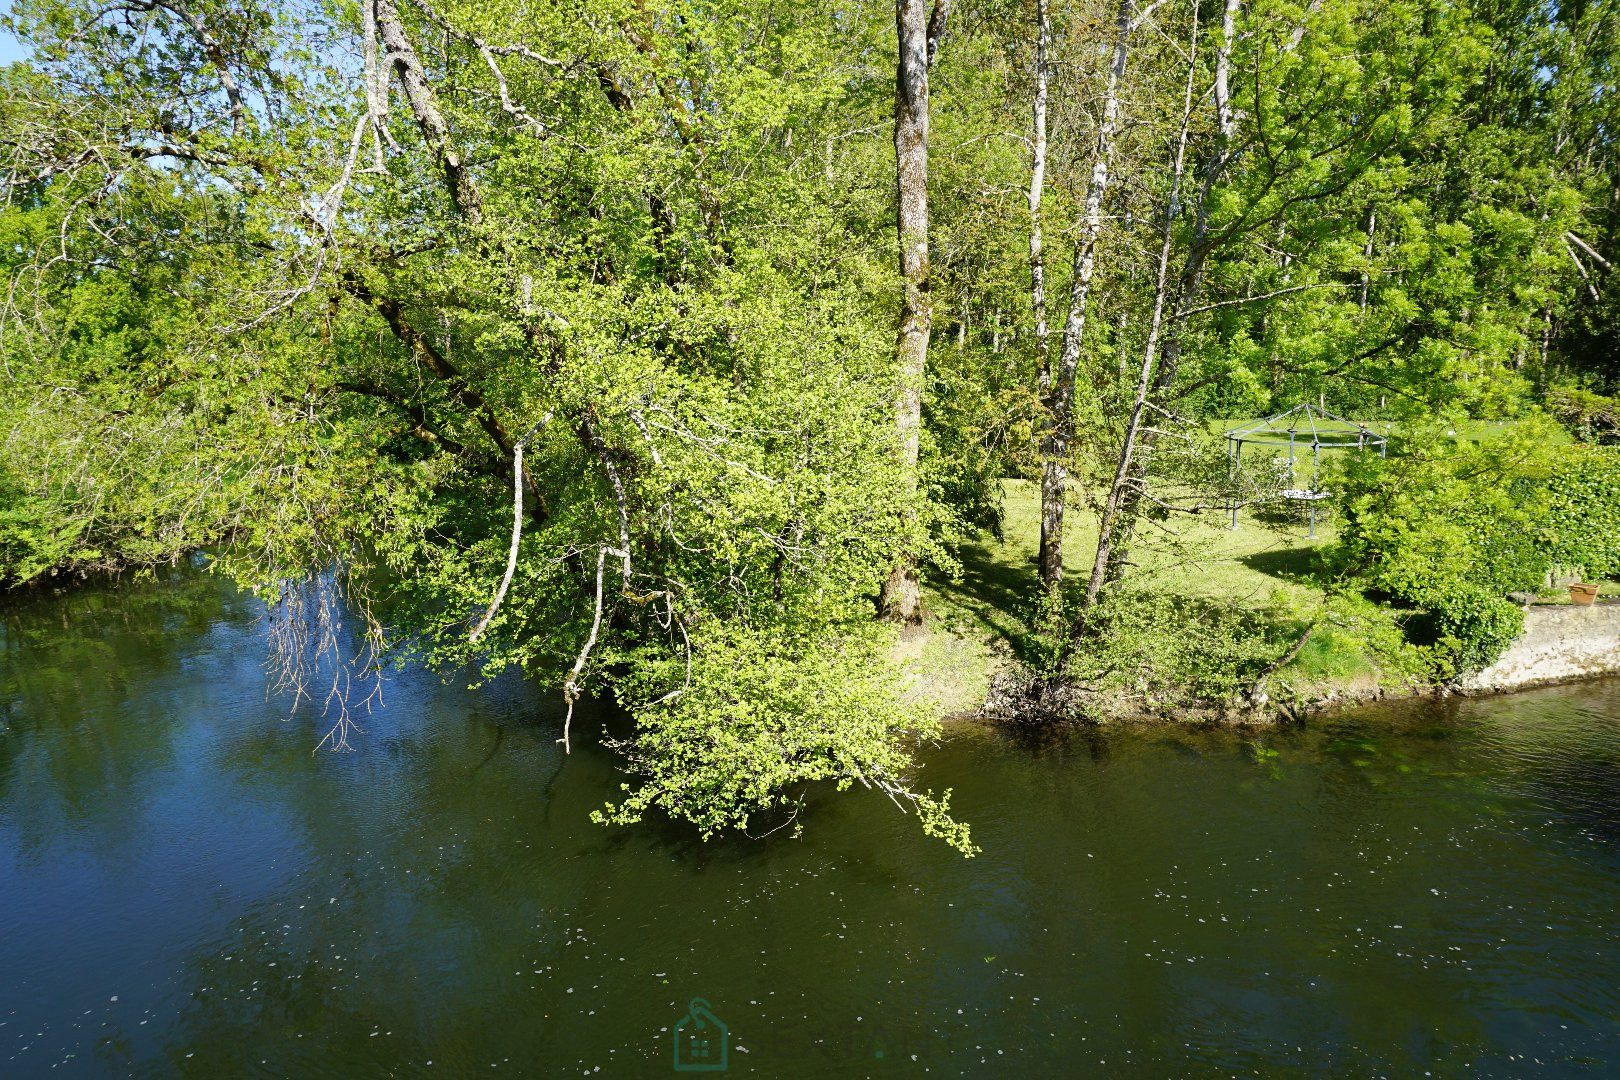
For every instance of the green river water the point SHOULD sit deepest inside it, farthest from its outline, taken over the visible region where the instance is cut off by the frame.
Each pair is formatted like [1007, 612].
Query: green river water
[187, 890]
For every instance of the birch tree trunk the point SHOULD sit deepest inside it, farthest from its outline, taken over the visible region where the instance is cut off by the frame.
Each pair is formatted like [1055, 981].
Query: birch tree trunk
[1051, 559]
[918, 41]
[1367, 253]
[1115, 504]
[1037, 187]
[1058, 387]
[1131, 480]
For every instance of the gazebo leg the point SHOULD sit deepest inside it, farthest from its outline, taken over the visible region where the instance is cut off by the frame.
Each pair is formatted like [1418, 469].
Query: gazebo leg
[1237, 469]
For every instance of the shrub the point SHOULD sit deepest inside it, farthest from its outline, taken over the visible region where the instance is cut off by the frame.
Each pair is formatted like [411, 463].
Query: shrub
[1589, 416]
[1475, 626]
[1176, 651]
[1449, 527]
[1583, 510]
[30, 544]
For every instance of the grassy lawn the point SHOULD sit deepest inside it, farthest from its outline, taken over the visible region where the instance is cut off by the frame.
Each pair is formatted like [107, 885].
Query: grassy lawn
[1253, 564]
[1259, 576]
[1254, 568]
[1474, 430]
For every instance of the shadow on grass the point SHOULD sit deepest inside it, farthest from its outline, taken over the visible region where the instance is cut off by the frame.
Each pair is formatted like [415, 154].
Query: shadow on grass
[998, 585]
[1287, 564]
[995, 590]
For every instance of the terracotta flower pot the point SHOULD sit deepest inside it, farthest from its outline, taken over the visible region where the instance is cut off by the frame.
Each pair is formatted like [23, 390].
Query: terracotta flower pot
[1582, 594]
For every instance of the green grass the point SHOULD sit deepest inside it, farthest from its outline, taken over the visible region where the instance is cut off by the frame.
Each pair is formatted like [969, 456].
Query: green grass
[1257, 567]
[1473, 430]
[1253, 565]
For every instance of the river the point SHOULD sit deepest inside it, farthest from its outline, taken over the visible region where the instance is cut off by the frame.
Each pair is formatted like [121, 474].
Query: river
[186, 889]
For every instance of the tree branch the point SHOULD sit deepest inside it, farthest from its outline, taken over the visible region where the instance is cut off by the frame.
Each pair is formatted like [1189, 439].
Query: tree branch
[1263, 296]
[1590, 288]
[216, 55]
[517, 529]
[1584, 246]
[936, 27]
[454, 381]
[435, 131]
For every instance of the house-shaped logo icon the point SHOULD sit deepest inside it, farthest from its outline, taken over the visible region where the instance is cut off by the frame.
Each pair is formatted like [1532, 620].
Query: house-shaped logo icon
[700, 1040]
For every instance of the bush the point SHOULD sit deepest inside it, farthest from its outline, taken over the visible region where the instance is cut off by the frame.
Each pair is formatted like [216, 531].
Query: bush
[1583, 510]
[1449, 527]
[1476, 626]
[30, 544]
[1589, 416]
[1177, 651]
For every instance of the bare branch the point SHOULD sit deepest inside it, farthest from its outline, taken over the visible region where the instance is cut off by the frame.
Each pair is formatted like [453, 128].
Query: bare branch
[517, 529]
[1263, 296]
[1584, 246]
[1297, 35]
[1590, 288]
[376, 87]
[594, 438]
[483, 46]
[571, 687]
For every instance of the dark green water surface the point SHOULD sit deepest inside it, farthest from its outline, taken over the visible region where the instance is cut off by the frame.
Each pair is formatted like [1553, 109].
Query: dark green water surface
[186, 889]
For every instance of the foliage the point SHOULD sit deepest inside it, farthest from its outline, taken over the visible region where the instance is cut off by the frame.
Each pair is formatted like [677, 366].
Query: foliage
[110, 454]
[1449, 526]
[1590, 416]
[1170, 650]
[315, 303]
[1475, 625]
[762, 714]
[1583, 510]
[314, 279]
[29, 547]
[1354, 638]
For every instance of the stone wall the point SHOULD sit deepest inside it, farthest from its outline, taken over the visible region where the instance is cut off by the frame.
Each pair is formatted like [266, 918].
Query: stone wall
[1559, 643]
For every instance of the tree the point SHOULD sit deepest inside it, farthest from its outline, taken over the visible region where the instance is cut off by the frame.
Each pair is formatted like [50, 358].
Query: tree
[567, 338]
[546, 342]
[1273, 231]
[1058, 386]
[919, 39]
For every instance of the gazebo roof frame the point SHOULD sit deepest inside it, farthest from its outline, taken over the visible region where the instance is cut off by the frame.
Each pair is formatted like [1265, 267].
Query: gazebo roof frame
[1269, 432]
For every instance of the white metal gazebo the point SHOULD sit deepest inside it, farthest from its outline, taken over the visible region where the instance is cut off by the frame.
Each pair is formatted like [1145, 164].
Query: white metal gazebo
[1299, 427]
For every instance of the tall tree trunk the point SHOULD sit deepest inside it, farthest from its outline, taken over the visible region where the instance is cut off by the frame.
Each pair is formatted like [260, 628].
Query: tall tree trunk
[1112, 508]
[1130, 479]
[1058, 387]
[918, 41]
[1051, 560]
[1367, 253]
[1037, 187]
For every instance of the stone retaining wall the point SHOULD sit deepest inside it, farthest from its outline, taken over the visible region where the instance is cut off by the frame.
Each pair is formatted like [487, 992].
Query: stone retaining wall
[1559, 643]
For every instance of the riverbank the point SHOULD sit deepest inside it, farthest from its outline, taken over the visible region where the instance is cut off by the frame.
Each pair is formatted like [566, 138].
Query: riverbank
[971, 660]
[972, 681]
[1560, 643]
